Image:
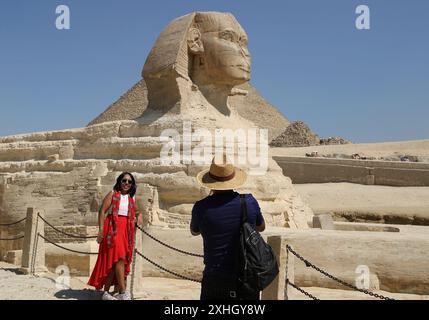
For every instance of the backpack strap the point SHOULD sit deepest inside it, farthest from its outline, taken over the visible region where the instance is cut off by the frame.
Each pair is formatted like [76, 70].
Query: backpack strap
[243, 207]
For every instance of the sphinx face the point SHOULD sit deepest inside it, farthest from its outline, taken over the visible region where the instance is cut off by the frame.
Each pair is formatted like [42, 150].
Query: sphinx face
[225, 59]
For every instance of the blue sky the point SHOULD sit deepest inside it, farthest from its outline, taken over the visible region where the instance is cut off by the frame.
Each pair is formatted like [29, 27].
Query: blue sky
[309, 61]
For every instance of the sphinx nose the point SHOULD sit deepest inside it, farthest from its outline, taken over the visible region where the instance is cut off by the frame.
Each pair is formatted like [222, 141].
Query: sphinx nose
[245, 52]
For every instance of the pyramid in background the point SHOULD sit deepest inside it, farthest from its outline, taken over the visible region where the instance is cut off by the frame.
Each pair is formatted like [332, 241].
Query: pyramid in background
[246, 100]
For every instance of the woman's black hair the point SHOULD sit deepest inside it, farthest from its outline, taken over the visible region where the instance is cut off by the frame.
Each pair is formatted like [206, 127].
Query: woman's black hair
[133, 188]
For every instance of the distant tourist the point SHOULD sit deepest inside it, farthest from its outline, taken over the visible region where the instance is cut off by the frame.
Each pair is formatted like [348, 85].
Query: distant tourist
[312, 154]
[218, 219]
[116, 238]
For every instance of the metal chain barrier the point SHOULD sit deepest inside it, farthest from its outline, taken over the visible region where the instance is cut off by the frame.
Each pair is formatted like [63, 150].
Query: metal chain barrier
[11, 239]
[309, 264]
[168, 246]
[64, 248]
[164, 269]
[11, 224]
[301, 290]
[65, 233]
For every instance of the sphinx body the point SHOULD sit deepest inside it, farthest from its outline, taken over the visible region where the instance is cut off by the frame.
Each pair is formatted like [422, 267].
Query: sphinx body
[191, 75]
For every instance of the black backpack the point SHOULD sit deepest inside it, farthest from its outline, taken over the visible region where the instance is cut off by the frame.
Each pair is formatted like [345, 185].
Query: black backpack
[258, 264]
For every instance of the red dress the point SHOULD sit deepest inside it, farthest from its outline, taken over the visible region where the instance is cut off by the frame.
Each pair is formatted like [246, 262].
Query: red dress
[117, 243]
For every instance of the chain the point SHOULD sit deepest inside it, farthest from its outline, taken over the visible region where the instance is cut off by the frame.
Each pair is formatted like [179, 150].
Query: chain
[168, 246]
[309, 264]
[301, 290]
[64, 248]
[11, 239]
[164, 269]
[11, 224]
[65, 233]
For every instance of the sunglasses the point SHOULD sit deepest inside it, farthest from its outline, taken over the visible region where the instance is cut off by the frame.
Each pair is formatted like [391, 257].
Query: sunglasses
[127, 181]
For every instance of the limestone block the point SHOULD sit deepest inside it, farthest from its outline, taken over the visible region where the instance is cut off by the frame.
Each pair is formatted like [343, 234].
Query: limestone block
[175, 188]
[93, 247]
[341, 253]
[58, 237]
[276, 289]
[37, 150]
[53, 157]
[33, 253]
[143, 166]
[100, 169]
[135, 283]
[66, 152]
[184, 264]
[370, 179]
[14, 257]
[323, 221]
[313, 280]
[95, 205]
[119, 148]
[78, 264]
[108, 129]
[133, 129]
[182, 208]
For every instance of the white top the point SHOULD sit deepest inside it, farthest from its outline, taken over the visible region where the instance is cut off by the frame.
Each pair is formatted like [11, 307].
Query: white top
[123, 205]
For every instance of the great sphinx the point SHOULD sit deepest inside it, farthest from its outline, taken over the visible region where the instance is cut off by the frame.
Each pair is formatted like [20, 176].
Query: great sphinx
[197, 72]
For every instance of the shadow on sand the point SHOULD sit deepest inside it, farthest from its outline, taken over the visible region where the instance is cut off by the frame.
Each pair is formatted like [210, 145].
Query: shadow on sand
[14, 270]
[85, 294]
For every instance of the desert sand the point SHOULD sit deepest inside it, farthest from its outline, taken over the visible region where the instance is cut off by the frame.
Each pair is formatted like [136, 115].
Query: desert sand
[369, 200]
[16, 286]
[383, 149]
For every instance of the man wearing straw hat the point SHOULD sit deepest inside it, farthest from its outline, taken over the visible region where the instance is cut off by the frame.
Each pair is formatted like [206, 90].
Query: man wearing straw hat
[218, 219]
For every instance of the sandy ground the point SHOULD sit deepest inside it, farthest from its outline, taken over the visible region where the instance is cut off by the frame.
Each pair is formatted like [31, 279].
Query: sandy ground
[334, 294]
[382, 200]
[15, 286]
[385, 149]
[366, 203]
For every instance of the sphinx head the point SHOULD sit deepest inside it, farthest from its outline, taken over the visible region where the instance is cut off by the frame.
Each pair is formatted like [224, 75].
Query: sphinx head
[201, 49]
[218, 48]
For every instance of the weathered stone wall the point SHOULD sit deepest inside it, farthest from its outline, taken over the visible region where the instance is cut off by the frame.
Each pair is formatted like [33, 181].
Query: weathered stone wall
[69, 172]
[59, 237]
[322, 170]
[389, 256]
[7, 233]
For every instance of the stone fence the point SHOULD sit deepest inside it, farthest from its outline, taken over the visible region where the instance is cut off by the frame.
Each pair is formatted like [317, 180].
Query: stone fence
[395, 263]
[369, 172]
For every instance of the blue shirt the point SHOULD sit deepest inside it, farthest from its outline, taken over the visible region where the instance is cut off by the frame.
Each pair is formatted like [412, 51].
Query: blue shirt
[218, 218]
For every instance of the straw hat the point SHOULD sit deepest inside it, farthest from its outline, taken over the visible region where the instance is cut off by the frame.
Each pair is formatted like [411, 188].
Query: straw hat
[222, 175]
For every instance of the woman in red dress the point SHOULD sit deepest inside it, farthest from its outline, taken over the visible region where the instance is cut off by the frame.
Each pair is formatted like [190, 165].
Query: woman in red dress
[116, 238]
